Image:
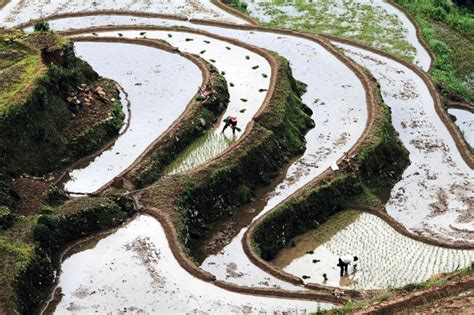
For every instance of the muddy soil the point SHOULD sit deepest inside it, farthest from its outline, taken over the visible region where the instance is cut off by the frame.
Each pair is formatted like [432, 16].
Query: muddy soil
[461, 304]
[32, 192]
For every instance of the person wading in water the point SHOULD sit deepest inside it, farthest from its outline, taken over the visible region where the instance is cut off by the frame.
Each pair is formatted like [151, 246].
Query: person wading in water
[232, 122]
[344, 263]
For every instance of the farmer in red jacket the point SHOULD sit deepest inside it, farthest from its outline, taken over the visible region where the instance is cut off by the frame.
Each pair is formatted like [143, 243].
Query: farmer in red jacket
[232, 122]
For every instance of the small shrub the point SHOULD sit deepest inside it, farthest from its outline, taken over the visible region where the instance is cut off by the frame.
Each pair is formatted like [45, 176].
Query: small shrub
[6, 217]
[42, 26]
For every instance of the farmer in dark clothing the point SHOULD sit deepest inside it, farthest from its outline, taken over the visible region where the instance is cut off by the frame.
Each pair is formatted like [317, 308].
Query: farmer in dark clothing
[344, 263]
[232, 122]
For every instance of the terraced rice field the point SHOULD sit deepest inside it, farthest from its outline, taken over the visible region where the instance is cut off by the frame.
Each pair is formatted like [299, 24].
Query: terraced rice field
[156, 98]
[246, 72]
[134, 269]
[374, 22]
[387, 258]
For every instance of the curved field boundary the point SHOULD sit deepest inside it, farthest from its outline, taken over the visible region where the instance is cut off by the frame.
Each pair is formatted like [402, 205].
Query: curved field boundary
[186, 114]
[199, 273]
[105, 147]
[464, 106]
[438, 103]
[455, 133]
[169, 134]
[419, 33]
[233, 11]
[450, 125]
[3, 3]
[372, 99]
[193, 269]
[420, 297]
[247, 241]
[60, 16]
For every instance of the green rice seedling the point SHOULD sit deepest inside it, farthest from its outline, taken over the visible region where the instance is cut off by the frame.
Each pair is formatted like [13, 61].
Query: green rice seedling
[189, 39]
[202, 52]
[247, 57]
[207, 42]
[262, 90]
[170, 35]
[203, 149]
[255, 67]
[231, 84]
[243, 110]
[264, 75]
[120, 34]
[370, 238]
[227, 47]
[212, 60]
[223, 72]
[142, 33]
[95, 34]
[244, 100]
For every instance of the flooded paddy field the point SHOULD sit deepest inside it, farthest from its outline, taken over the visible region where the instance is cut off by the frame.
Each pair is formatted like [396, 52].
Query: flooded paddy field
[387, 259]
[133, 269]
[435, 196]
[150, 77]
[21, 11]
[391, 30]
[247, 75]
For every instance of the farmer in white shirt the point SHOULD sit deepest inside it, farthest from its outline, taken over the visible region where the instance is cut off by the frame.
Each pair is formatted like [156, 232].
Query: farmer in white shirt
[344, 262]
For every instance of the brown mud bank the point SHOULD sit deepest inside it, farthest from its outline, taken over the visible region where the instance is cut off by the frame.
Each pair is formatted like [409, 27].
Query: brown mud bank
[197, 118]
[65, 112]
[31, 266]
[365, 177]
[187, 203]
[421, 297]
[30, 277]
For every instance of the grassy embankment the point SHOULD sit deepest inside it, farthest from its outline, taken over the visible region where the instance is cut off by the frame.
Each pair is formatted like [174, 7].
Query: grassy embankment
[391, 294]
[369, 24]
[376, 167]
[448, 29]
[54, 109]
[238, 4]
[198, 198]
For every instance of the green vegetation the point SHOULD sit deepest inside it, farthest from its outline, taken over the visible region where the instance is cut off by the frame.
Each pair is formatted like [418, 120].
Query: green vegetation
[208, 194]
[54, 109]
[28, 247]
[200, 151]
[20, 68]
[352, 306]
[368, 23]
[194, 126]
[367, 181]
[238, 4]
[448, 30]
[43, 122]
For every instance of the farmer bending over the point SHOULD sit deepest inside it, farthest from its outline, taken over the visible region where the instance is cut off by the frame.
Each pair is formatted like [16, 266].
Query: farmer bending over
[344, 262]
[230, 121]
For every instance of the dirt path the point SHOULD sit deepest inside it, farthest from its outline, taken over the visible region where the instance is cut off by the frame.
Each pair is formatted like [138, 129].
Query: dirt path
[461, 304]
[449, 294]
